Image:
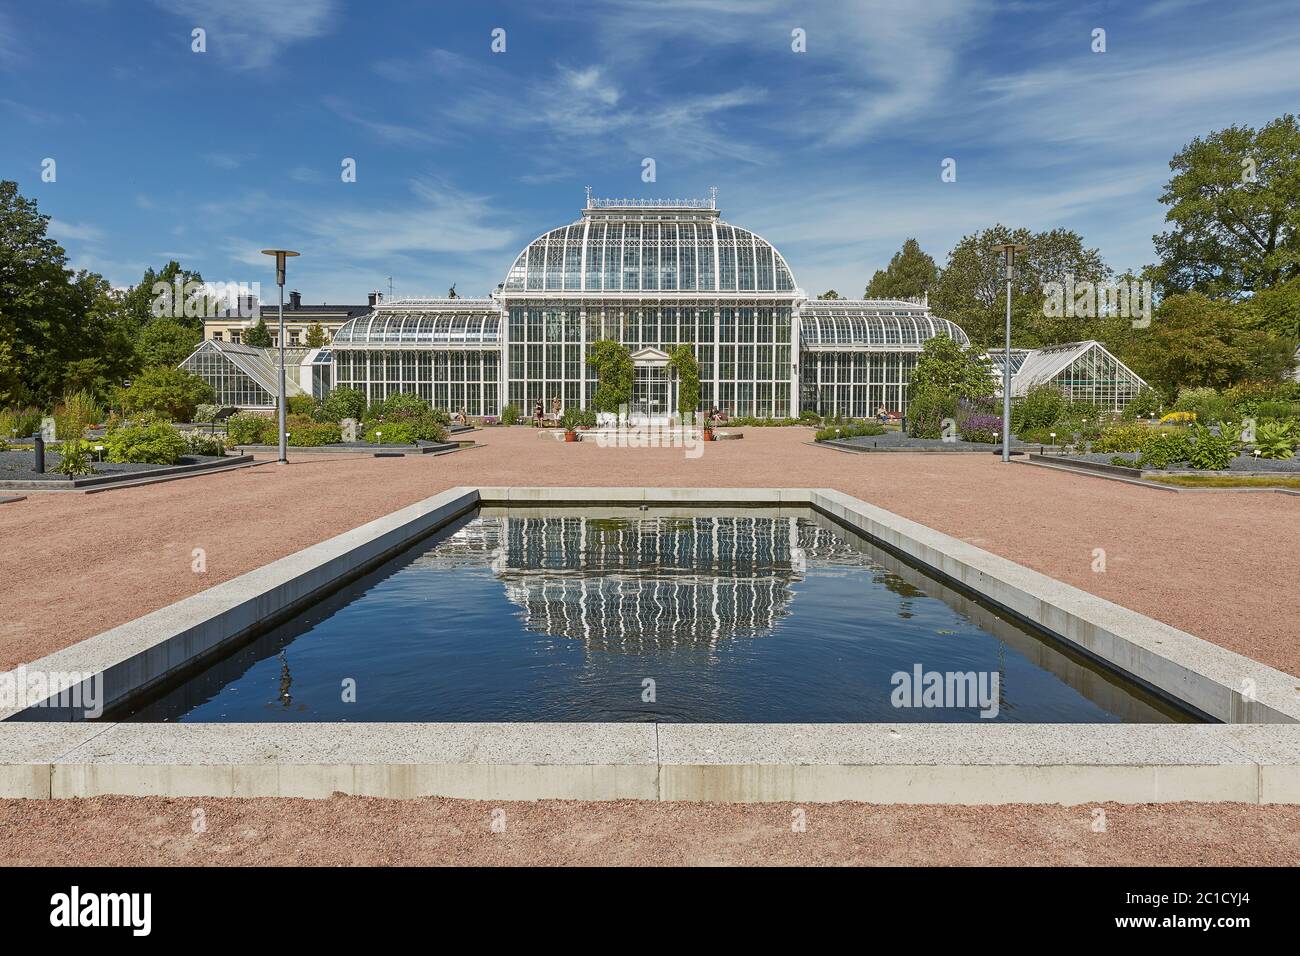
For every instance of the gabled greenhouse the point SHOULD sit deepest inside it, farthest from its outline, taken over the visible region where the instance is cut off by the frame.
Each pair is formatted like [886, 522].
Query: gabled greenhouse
[241, 375]
[1085, 371]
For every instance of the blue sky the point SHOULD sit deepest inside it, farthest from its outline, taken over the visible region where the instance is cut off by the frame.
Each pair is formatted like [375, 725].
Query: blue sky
[464, 155]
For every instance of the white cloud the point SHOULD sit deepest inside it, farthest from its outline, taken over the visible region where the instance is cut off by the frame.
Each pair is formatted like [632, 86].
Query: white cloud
[251, 33]
[75, 231]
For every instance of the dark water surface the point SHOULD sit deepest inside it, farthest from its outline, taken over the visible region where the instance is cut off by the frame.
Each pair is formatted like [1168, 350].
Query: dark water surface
[573, 616]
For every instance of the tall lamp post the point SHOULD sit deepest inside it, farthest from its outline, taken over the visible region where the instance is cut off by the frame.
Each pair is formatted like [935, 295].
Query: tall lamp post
[1008, 251]
[280, 256]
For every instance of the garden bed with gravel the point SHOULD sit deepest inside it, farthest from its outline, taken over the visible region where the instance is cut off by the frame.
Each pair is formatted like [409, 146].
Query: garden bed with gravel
[358, 447]
[17, 470]
[1242, 464]
[898, 441]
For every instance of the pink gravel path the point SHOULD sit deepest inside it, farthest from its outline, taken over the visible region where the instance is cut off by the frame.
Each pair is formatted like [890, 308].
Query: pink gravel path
[1222, 566]
[113, 831]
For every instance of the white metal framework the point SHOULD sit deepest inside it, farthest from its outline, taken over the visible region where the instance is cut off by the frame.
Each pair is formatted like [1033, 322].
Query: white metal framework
[621, 586]
[1085, 371]
[240, 375]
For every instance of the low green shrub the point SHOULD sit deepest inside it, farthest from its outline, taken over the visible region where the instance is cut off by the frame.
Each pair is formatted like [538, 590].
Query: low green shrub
[248, 429]
[1040, 407]
[342, 403]
[399, 403]
[1276, 440]
[750, 421]
[849, 429]
[75, 458]
[510, 415]
[145, 442]
[1145, 404]
[1206, 403]
[20, 422]
[202, 443]
[406, 430]
[1279, 411]
[927, 411]
[1123, 438]
[1165, 448]
[300, 405]
[307, 433]
[1211, 450]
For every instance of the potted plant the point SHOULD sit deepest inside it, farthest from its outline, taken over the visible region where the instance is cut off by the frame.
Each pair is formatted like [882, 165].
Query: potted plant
[570, 421]
[708, 431]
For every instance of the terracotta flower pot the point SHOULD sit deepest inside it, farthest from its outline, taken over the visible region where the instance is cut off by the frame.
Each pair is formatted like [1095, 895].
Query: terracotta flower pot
[708, 434]
[570, 435]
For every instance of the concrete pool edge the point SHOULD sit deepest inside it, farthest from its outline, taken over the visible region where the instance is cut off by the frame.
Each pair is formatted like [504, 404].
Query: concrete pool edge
[142, 652]
[871, 763]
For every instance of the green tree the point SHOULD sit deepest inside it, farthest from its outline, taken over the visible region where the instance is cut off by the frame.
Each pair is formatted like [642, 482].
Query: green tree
[682, 359]
[829, 294]
[1276, 309]
[315, 336]
[259, 336]
[910, 275]
[971, 290]
[53, 322]
[614, 373]
[1195, 341]
[946, 368]
[173, 293]
[166, 390]
[1234, 203]
[165, 342]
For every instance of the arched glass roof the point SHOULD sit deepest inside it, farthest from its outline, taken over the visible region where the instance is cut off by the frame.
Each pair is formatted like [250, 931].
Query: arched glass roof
[866, 324]
[433, 322]
[650, 253]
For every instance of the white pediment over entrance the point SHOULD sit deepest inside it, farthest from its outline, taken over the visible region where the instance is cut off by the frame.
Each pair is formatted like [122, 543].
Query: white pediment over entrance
[650, 356]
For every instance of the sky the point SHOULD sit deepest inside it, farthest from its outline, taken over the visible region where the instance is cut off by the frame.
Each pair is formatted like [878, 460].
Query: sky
[464, 154]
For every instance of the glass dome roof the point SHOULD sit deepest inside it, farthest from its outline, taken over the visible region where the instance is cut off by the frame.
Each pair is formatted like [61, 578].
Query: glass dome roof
[449, 322]
[667, 251]
[866, 324]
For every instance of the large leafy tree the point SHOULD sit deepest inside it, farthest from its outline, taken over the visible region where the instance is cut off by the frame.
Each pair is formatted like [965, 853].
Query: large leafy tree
[58, 328]
[165, 342]
[948, 369]
[1277, 309]
[972, 287]
[1234, 204]
[910, 274]
[1198, 341]
[185, 302]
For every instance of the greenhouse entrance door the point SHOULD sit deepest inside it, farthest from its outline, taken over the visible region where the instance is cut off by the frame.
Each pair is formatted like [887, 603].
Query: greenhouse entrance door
[652, 387]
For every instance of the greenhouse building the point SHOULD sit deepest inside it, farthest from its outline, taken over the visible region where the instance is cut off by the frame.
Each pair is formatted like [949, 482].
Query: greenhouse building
[651, 275]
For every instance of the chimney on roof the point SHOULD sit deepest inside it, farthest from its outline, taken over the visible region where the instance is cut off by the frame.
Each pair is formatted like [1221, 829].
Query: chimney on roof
[295, 299]
[375, 298]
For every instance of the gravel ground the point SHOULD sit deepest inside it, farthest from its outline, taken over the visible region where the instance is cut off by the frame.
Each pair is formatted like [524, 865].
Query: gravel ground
[1289, 466]
[115, 831]
[100, 560]
[17, 466]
